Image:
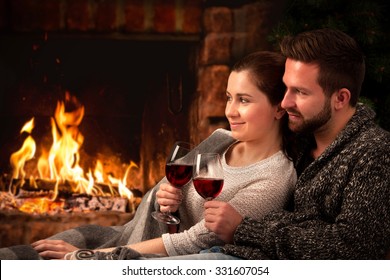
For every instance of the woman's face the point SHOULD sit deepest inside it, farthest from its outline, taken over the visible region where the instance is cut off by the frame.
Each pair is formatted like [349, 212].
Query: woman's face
[250, 114]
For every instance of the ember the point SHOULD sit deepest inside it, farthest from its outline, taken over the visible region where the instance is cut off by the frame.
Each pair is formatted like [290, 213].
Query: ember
[57, 182]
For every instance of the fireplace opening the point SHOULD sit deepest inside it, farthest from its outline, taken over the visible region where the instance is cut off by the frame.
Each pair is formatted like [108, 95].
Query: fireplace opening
[136, 95]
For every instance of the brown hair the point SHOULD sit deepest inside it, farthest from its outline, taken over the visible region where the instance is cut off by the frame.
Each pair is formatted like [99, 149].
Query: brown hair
[267, 69]
[340, 59]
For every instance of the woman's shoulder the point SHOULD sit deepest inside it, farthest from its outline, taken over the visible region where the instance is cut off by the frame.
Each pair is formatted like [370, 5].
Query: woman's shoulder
[221, 132]
[217, 142]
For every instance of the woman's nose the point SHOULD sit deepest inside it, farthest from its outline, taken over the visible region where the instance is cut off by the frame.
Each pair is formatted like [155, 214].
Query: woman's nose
[231, 109]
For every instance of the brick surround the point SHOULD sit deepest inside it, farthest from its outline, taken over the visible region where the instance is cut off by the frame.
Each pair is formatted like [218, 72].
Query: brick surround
[159, 16]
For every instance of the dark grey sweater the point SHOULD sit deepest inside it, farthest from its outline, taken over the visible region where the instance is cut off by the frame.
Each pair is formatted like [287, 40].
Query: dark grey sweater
[341, 203]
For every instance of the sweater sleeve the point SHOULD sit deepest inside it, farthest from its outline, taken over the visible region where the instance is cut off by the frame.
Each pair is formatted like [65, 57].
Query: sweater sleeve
[359, 230]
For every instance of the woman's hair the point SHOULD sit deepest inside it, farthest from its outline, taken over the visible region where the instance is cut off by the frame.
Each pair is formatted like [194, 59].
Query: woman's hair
[267, 69]
[340, 59]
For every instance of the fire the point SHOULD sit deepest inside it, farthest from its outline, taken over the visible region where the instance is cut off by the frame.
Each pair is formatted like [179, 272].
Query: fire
[60, 163]
[26, 152]
[41, 205]
[64, 155]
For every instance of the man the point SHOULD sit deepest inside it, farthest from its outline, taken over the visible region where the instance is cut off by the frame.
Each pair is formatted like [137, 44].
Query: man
[342, 197]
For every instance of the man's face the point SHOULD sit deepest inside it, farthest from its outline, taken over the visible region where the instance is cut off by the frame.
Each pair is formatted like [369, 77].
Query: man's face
[308, 108]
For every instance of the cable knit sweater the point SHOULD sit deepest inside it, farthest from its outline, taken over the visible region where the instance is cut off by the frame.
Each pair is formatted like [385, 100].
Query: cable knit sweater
[342, 203]
[252, 190]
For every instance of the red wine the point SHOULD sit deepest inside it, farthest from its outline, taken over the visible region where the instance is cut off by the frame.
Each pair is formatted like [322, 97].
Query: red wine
[208, 187]
[178, 174]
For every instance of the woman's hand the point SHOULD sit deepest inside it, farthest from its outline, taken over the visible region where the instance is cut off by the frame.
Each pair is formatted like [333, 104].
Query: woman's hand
[169, 198]
[53, 249]
[222, 219]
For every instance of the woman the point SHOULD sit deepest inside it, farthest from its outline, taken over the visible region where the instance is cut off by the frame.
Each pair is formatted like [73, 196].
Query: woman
[258, 174]
[258, 170]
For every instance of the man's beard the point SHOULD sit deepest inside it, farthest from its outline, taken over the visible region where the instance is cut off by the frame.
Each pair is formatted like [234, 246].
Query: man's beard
[309, 126]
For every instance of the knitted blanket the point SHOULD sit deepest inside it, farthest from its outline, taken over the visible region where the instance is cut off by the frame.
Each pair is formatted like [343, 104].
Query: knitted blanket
[141, 227]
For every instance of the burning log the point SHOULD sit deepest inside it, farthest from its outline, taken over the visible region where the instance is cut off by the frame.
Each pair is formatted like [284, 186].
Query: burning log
[96, 203]
[75, 204]
[64, 189]
[42, 187]
[45, 196]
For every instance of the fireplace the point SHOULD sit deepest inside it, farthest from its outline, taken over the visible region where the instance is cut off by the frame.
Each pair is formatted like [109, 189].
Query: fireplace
[147, 73]
[136, 95]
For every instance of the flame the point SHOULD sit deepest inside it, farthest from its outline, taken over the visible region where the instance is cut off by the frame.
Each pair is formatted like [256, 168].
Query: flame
[25, 153]
[99, 172]
[28, 126]
[40, 205]
[64, 154]
[61, 162]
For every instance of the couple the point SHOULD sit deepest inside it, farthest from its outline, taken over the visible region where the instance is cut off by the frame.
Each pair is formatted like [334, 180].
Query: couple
[341, 199]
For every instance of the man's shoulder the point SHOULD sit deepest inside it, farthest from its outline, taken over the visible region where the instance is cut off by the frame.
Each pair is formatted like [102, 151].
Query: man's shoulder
[365, 123]
[374, 140]
[376, 135]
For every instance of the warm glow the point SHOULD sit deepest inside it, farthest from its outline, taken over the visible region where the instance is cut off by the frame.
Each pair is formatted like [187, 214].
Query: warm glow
[60, 163]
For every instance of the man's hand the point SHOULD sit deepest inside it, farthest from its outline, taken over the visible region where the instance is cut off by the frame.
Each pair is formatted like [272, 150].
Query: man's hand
[169, 198]
[53, 249]
[221, 218]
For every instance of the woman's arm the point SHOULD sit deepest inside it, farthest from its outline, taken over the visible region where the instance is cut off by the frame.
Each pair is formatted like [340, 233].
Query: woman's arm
[57, 249]
[152, 246]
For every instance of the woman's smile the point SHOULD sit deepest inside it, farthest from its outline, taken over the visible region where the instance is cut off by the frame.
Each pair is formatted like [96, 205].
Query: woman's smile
[236, 125]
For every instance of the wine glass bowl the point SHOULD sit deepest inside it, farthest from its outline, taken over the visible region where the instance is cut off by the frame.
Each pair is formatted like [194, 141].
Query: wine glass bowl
[178, 171]
[208, 175]
[178, 174]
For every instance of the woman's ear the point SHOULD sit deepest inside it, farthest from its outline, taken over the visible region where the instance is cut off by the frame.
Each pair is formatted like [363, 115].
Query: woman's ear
[341, 98]
[279, 112]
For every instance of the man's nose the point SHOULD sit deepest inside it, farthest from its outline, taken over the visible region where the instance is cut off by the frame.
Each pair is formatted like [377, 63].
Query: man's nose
[288, 100]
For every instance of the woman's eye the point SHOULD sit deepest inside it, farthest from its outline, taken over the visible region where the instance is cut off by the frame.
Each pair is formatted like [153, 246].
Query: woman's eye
[243, 100]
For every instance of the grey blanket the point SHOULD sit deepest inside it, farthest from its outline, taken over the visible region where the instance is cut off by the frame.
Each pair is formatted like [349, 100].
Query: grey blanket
[141, 227]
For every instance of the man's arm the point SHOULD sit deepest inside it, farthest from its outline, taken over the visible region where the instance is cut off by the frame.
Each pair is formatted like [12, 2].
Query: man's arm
[360, 229]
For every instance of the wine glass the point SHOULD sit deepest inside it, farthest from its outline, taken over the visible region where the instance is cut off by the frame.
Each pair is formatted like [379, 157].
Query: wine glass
[178, 170]
[207, 175]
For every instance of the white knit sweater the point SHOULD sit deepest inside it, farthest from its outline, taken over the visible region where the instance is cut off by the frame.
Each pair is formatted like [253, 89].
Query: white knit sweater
[253, 191]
